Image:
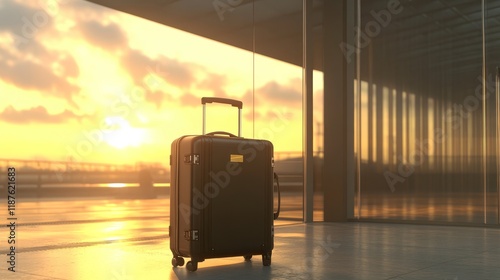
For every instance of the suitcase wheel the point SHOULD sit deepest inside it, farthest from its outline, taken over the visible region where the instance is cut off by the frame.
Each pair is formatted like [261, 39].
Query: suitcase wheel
[266, 259]
[192, 265]
[247, 257]
[177, 261]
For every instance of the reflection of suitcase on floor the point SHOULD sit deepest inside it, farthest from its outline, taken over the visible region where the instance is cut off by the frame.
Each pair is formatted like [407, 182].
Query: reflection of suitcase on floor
[221, 196]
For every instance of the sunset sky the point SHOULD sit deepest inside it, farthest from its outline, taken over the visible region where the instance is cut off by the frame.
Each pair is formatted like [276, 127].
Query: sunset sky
[86, 83]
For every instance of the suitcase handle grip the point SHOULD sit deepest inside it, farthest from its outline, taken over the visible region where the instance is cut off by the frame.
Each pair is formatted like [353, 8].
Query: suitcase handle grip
[232, 102]
[277, 214]
[221, 133]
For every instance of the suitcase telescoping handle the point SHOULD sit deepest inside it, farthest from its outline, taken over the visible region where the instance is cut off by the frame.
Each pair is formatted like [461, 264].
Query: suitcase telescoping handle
[232, 102]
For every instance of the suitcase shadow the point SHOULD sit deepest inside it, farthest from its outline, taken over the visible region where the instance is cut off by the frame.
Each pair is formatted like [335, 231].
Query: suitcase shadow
[242, 270]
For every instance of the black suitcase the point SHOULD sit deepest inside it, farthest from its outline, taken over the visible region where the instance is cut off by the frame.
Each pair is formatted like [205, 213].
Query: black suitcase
[221, 196]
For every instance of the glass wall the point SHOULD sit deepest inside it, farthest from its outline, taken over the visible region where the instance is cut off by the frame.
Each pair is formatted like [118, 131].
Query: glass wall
[491, 80]
[426, 111]
[265, 73]
[277, 114]
[122, 83]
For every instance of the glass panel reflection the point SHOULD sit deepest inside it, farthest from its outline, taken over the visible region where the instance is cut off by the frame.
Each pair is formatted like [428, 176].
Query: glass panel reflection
[421, 125]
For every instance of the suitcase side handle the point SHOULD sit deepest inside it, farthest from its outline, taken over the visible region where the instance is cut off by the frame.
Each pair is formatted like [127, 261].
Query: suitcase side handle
[277, 214]
[232, 102]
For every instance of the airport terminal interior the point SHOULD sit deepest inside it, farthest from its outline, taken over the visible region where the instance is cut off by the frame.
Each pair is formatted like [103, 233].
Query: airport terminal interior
[385, 120]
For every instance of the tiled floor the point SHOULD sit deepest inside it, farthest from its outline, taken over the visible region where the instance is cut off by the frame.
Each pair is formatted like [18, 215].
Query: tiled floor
[127, 239]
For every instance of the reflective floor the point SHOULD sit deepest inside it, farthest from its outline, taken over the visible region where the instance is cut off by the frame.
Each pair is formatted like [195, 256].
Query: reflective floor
[128, 239]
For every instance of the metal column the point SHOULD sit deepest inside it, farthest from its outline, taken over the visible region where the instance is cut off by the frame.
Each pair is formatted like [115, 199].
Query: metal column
[307, 108]
[339, 164]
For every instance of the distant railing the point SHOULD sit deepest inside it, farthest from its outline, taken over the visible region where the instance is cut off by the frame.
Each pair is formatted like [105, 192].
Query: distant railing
[65, 166]
[92, 166]
[37, 174]
[287, 155]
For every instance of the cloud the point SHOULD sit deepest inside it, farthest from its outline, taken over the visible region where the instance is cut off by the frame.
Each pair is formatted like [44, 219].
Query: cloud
[27, 63]
[151, 74]
[170, 70]
[269, 99]
[31, 75]
[35, 49]
[24, 24]
[249, 115]
[215, 83]
[283, 115]
[23, 20]
[277, 94]
[247, 99]
[86, 10]
[157, 98]
[272, 96]
[188, 99]
[191, 100]
[271, 114]
[35, 115]
[106, 36]
[67, 66]
[175, 72]
[137, 64]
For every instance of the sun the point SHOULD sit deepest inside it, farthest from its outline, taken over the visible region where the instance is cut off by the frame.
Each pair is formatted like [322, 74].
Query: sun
[122, 135]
